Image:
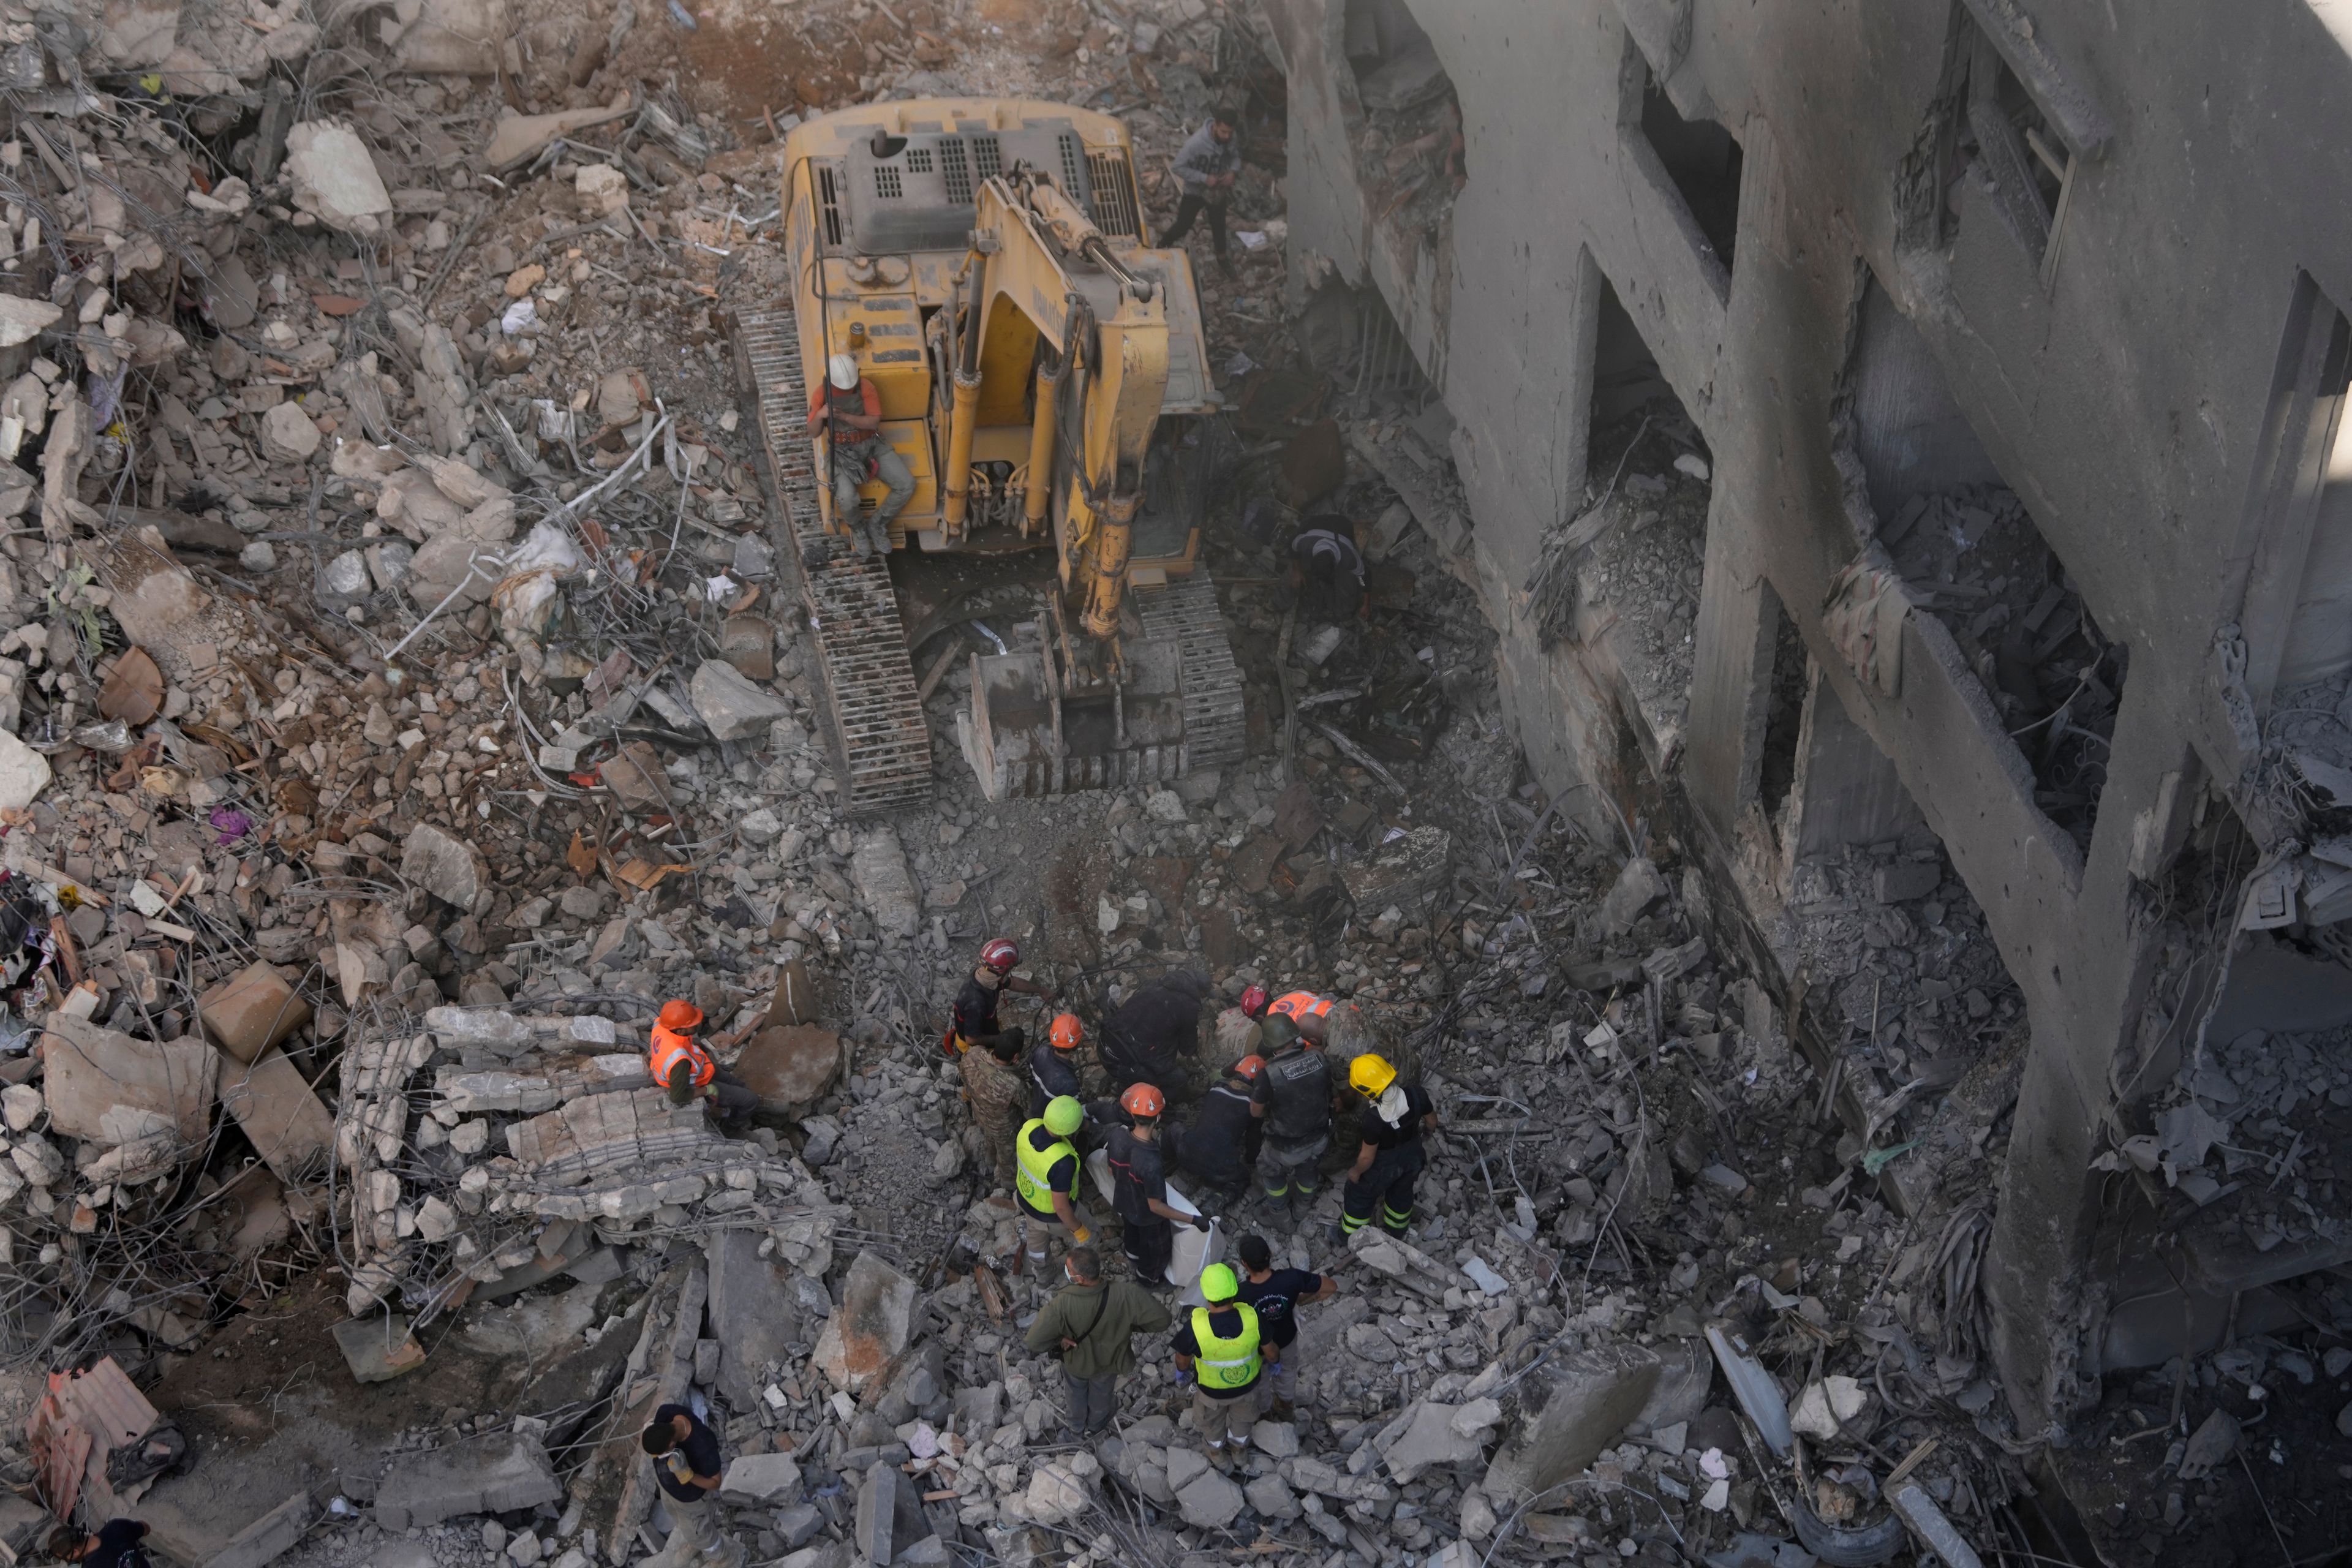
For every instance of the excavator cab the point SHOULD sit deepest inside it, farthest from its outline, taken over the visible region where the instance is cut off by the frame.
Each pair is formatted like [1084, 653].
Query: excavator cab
[1044, 374]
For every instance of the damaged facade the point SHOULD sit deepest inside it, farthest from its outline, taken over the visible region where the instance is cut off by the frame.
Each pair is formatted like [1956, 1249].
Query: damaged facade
[1902, 454]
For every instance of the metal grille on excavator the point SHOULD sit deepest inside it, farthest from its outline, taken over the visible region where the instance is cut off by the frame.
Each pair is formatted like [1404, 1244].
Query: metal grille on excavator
[1186, 610]
[884, 746]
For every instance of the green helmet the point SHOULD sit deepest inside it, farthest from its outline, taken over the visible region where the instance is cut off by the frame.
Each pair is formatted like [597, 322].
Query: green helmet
[1218, 1284]
[1276, 1031]
[1063, 1116]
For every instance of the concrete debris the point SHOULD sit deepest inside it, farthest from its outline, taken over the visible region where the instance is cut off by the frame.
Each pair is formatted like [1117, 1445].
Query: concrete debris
[503, 1471]
[869, 1328]
[336, 182]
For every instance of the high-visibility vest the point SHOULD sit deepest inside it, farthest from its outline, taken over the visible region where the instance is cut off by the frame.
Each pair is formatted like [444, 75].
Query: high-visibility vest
[670, 1048]
[1297, 1004]
[1033, 1175]
[1226, 1362]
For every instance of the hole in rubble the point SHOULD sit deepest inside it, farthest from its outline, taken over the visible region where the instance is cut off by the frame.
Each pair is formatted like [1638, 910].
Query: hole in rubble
[1971, 552]
[1412, 161]
[1650, 480]
[1703, 160]
[1784, 711]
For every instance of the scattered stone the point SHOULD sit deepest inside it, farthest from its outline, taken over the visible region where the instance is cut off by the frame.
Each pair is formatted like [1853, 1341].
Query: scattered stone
[446, 866]
[335, 180]
[733, 707]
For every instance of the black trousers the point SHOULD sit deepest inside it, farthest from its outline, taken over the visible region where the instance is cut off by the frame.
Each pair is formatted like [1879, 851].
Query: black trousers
[1386, 1185]
[1190, 208]
[1149, 1243]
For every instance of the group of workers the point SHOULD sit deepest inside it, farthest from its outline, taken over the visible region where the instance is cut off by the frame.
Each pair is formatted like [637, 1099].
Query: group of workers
[1270, 1115]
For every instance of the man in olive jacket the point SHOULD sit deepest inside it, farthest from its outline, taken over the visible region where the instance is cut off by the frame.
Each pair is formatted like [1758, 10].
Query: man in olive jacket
[1090, 1323]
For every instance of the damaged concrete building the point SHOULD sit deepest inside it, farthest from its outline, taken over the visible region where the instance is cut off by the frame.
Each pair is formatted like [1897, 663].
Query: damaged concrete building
[1899, 451]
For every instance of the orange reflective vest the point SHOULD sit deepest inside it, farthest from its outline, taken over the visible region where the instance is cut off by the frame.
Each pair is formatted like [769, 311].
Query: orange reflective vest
[1296, 1004]
[670, 1048]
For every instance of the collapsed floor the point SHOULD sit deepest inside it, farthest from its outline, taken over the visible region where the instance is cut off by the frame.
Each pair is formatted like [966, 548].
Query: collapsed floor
[336, 922]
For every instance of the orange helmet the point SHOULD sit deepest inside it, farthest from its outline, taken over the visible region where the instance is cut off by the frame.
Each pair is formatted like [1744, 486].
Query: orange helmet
[1248, 1066]
[1067, 1032]
[1000, 956]
[1143, 1100]
[679, 1014]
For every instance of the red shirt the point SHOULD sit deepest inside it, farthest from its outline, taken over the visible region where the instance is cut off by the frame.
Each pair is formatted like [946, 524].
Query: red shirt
[842, 436]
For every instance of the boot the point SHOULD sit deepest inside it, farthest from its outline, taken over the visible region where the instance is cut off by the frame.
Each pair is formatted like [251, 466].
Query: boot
[857, 541]
[881, 537]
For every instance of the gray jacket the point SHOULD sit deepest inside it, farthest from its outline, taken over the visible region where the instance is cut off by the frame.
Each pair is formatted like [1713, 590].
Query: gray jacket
[1202, 156]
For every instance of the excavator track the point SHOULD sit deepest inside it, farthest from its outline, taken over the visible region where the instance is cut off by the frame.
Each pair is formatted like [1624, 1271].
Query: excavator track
[882, 744]
[1186, 610]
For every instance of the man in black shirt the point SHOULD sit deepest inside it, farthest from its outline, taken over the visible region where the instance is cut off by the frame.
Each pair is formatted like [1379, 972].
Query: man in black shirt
[114, 1540]
[1053, 1064]
[1140, 1188]
[687, 1464]
[1388, 1158]
[1277, 1294]
[1222, 1142]
[974, 1019]
[1147, 1040]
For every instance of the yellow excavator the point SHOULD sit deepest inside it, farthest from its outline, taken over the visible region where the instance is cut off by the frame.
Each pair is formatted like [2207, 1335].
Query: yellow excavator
[1042, 373]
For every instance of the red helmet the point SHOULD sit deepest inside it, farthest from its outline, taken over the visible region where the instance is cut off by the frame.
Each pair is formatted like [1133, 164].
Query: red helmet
[1143, 1100]
[1248, 1066]
[1067, 1032]
[679, 1014]
[1000, 956]
[1254, 1002]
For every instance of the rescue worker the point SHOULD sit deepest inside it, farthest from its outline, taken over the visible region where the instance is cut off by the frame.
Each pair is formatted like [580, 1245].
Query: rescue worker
[1238, 1034]
[974, 1018]
[1148, 1039]
[1277, 1294]
[1089, 1324]
[1220, 1144]
[1147, 1220]
[687, 1462]
[679, 1062]
[1218, 1344]
[113, 1541]
[1327, 571]
[1292, 1097]
[849, 408]
[1045, 1179]
[1390, 1158]
[1053, 1063]
[1206, 166]
[994, 1087]
[1310, 1015]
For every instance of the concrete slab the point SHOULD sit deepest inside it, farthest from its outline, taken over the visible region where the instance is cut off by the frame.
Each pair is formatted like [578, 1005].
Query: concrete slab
[482, 1475]
[270, 1536]
[274, 1107]
[103, 1085]
[871, 1327]
[753, 1314]
[378, 1350]
[1569, 1412]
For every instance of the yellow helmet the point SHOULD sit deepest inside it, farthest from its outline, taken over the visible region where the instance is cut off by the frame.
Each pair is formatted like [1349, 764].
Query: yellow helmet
[1370, 1074]
[1218, 1284]
[1063, 1115]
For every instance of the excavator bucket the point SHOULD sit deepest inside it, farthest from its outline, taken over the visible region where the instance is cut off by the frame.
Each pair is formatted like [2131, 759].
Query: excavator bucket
[1176, 709]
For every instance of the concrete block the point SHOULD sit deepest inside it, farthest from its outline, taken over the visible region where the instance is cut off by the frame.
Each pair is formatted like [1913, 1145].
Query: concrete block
[105, 1087]
[1429, 1436]
[1210, 1501]
[275, 1108]
[251, 1011]
[761, 1480]
[1270, 1499]
[483, 1475]
[823, 1554]
[1640, 887]
[448, 867]
[1685, 1372]
[871, 1326]
[1567, 1412]
[1908, 880]
[790, 1066]
[890, 1516]
[270, 1536]
[378, 1350]
[797, 1523]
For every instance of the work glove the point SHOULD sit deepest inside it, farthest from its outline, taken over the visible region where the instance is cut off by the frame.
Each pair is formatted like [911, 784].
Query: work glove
[1203, 1222]
[682, 1472]
[1084, 1235]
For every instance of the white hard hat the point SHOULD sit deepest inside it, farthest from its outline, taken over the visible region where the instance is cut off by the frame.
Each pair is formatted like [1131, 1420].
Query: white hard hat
[844, 372]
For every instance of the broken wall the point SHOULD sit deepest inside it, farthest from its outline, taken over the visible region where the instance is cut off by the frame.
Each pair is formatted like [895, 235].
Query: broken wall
[2090, 365]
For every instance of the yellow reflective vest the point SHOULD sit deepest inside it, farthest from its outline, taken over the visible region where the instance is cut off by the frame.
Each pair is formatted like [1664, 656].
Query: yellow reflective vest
[1226, 1362]
[1034, 1177]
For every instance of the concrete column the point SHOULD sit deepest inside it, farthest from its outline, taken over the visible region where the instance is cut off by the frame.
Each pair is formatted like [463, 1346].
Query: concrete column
[1731, 679]
[2038, 1274]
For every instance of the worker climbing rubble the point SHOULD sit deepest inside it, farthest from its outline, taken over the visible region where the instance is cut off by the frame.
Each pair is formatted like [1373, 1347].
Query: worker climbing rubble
[1154, 1036]
[1052, 1063]
[687, 1466]
[1220, 1144]
[679, 1060]
[975, 1021]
